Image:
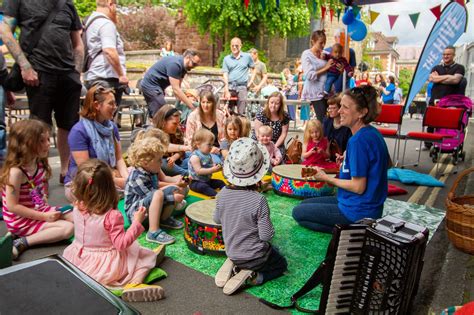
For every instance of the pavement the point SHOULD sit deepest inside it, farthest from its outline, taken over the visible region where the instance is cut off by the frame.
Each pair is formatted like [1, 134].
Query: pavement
[447, 278]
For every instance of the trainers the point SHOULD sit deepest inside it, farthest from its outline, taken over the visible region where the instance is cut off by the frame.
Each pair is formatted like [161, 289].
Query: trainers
[224, 273]
[180, 206]
[160, 254]
[19, 246]
[172, 223]
[142, 293]
[160, 237]
[237, 281]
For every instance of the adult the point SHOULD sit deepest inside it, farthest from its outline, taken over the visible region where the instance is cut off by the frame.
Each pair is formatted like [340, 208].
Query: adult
[236, 68]
[275, 116]
[6, 97]
[398, 94]
[175, 161]
[379, 84]
[51, 71]
[362, 183]
[363, 80]
[168, 71]
[167, 50]
[259, 77]
[315, 69]
[352, 59]
[106, 50]
[389, 91]
[333, 129]
[207, 116]
[96, 136]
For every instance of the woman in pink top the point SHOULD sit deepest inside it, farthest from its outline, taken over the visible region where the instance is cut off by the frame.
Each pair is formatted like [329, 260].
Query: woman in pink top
[102, 248]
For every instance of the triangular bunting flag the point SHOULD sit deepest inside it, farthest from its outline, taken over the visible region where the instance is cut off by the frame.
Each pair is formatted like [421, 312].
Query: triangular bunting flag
[414, 18]
[262, 2]
[392, 19]
[373, 16]
[461, 2]
[331, 14]
[436, 11]
[338, 14]
[315, 7]
[246, 3]
[278, 4]
[356, 10]
[323, 12]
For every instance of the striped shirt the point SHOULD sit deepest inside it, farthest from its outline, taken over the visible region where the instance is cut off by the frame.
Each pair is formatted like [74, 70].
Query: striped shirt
[246, 225]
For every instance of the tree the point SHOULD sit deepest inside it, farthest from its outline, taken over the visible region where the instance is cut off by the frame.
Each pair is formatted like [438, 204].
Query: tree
[84, 7]
[404, 77]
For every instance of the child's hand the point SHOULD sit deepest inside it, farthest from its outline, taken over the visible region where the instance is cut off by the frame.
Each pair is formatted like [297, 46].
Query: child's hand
[216, 168]
[140, 214]
[178, 197]
[339, 158]
[52, 216]
[182, 182]
[171, 161]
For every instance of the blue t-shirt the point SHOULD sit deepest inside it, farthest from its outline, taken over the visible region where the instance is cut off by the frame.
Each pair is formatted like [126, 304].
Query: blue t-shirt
[158, 76]
[390, 88]
[366, 156]
[79, 140]
[238, 69]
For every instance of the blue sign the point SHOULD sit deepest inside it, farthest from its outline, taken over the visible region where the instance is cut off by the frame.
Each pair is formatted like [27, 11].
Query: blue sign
[451, 25]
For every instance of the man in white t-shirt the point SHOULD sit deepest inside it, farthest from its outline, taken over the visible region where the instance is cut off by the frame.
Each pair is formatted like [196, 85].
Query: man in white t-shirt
[106, 50]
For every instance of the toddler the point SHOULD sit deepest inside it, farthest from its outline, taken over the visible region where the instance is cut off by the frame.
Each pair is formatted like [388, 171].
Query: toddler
[233, 131]
[201, 166]
[316, 146]
[101, 247]
[143, 190]
[245, 218]
[265, 138]
[340, 64]
[24, 180]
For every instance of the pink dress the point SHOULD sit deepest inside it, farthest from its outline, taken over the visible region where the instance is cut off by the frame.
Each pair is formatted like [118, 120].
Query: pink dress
[108, 254]
[33, 195]
[318, 159]
[273, 151]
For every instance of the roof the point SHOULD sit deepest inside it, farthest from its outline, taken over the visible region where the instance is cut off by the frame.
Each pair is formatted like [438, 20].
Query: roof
[383, 42]
[409, 52]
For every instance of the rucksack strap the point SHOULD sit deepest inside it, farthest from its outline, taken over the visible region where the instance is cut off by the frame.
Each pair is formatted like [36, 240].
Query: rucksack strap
[87, 23]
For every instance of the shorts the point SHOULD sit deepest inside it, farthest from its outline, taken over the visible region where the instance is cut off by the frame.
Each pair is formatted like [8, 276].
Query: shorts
[154, 100]
[168, 192]
[58, 93]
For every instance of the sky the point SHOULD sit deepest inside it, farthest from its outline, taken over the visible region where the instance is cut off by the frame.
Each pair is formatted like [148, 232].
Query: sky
[403, 27]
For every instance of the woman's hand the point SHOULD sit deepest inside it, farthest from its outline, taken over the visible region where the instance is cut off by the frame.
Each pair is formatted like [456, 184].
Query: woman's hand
[339, 158]
[215, 150]
[171, 160]
[51, 216]
[140, 214]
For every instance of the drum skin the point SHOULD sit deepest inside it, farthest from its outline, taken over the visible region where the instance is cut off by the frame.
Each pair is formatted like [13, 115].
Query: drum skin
[287, 181]
[201, 233]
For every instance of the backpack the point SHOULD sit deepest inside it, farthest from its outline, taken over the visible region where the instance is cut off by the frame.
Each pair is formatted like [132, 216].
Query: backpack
[294, 148]
[85, 25]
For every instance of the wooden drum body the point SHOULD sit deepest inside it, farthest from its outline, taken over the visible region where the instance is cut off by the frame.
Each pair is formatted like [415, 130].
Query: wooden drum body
[287, 181]
[201, 233]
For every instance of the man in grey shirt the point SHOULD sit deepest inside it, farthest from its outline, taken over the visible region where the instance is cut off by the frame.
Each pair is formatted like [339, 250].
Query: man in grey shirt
[259, 74]
[105, 48]
[236, 72]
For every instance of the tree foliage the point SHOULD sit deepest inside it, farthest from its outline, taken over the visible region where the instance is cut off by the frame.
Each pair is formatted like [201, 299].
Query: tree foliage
[84, 7]
[404, 77]
[229, 17]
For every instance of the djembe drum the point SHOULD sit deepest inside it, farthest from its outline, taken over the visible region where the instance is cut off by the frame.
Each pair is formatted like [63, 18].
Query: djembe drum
[287, 180]
[201, 233]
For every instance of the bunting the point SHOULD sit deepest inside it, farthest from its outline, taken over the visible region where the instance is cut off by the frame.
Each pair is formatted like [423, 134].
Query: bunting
[373, 16]
[246, 3]
[323, 11]
[356, 10]
[338, 14]
[436, 11]
[331, 14]
[461, 2]
[392, 19]
[315, 7]
[278, 4]
[414, 18]
[262, 2]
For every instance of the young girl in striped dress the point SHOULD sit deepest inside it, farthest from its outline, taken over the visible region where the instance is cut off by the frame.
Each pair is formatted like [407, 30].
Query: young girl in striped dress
[24, 180]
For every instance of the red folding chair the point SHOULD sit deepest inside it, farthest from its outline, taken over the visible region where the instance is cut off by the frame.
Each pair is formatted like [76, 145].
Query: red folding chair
[435, 117]
[392, 114]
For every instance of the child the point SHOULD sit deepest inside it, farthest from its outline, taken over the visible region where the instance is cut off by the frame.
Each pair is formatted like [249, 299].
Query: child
[245, 218]
[201, 166]
[232, 131]
[142, 190]
[246, 126]
[315, 146]
[24, 180]
[101, 247]
[265, 138]
[340, 64]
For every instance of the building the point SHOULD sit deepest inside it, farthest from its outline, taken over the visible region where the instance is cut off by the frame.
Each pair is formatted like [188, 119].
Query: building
[465, 56]
[409, 56]
[382, 53]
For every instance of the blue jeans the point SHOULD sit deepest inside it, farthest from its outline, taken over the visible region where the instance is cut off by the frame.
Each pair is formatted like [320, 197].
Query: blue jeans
[330, 80]
[177, 169]
[319, 214]
[206, 188]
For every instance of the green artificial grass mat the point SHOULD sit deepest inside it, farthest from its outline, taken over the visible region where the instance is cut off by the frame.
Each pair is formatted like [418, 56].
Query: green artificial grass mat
[304, 249]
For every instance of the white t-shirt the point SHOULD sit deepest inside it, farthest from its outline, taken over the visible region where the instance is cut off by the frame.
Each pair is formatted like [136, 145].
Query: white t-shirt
[102, 33]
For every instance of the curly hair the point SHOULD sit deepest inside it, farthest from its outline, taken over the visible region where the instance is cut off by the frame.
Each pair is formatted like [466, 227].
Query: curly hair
[94, 187]
[23, 147]
[143, 151]
[153, 133]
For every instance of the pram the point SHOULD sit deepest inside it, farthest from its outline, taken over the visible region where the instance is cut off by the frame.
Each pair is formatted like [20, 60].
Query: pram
[455, 143]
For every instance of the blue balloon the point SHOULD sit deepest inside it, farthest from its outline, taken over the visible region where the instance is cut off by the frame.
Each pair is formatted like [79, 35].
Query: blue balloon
[357, 30]
[348, 17]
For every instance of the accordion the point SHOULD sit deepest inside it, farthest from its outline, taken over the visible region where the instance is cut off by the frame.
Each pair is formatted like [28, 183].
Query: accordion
[371, 268]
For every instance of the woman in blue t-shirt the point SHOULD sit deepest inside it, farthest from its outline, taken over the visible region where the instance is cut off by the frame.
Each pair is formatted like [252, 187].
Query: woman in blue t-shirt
[362, 183]
[389, 91]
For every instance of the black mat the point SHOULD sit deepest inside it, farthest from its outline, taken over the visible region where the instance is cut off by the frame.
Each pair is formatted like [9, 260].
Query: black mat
[53, 286]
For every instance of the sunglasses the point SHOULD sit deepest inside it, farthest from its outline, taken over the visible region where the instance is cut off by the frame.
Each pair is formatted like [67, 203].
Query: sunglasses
[359, 93]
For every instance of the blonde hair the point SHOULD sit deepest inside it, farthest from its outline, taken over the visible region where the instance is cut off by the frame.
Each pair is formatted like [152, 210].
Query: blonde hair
[143, 151]
[24, 140]
[94, 187]
[236, 122]
[202, 135]
[246, 127]
[153, 133]
[310, 126]
[266, 130]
